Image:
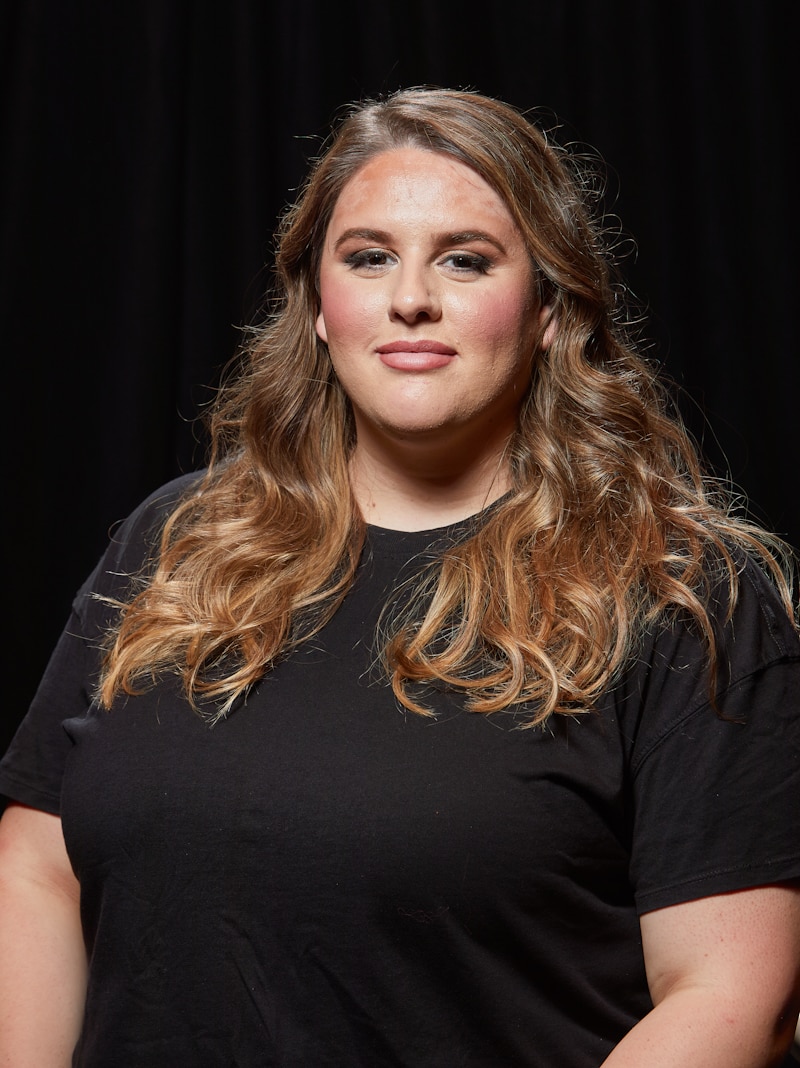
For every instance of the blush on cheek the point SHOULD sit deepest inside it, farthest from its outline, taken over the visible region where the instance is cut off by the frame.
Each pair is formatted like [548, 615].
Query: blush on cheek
[341, 317]
[496, 322]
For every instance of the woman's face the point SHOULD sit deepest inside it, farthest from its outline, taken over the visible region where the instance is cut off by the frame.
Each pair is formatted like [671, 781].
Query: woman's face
[427, 304]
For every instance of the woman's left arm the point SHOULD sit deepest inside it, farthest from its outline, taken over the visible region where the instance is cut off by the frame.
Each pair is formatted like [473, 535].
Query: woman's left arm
[724, 975]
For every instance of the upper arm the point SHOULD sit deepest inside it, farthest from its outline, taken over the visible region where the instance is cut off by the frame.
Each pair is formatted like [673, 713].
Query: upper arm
[32, 849]
[42, 954]
[744, 944]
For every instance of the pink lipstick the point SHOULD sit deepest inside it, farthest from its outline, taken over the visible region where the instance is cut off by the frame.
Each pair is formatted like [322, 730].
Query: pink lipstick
[422, 355]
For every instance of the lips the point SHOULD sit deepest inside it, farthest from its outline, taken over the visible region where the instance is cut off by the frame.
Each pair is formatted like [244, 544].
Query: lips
[417, 346]
[422, 355]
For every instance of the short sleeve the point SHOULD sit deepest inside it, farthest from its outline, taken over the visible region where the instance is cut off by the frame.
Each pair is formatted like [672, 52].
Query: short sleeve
[32, 768]
[716, 785]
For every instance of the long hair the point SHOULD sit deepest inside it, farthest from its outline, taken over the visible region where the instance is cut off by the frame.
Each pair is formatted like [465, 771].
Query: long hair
[609, 524]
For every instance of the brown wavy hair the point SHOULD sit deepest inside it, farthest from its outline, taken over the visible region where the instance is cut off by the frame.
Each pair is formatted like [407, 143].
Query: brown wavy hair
[609, 524]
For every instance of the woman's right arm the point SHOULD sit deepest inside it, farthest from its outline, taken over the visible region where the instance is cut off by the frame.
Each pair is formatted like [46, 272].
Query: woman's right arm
[42, 954]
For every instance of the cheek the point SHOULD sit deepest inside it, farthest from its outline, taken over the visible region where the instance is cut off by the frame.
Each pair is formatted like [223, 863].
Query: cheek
[504, 322]
[345, 311]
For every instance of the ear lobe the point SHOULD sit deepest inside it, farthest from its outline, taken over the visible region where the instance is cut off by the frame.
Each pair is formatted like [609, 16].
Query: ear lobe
[322, 332]
[548, 320]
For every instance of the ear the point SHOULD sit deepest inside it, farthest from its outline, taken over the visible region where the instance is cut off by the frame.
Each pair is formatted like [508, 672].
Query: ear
[549, 321]
[322, 332]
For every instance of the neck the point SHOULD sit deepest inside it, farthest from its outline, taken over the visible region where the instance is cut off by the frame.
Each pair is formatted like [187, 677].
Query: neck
[420, 491]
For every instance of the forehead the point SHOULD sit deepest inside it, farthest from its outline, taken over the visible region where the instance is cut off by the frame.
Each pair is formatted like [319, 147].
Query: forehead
[409, 184]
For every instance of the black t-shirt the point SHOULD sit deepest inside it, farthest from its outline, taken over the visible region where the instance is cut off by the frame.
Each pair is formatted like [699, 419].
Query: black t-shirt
[324, 880]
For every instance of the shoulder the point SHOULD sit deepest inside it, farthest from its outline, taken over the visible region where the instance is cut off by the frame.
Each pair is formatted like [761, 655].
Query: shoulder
[133, 543]
[751, 625]
[754, 631]
[670, 683]
[760, 617]
[153, 510]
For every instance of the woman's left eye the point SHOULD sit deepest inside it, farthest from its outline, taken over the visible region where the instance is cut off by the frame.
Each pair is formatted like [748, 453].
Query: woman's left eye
[465, 262]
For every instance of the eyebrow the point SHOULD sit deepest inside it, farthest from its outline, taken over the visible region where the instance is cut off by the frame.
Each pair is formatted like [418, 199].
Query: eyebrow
[382, 237]
[379, 236]
[466, 237]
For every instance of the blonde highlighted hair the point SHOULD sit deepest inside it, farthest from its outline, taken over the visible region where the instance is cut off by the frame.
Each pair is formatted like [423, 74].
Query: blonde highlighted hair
[610, 522]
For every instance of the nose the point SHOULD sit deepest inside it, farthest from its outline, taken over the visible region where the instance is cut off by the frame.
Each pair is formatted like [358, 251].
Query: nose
[414, 296]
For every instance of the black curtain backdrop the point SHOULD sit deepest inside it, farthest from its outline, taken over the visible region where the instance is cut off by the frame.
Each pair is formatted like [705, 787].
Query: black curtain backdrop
[148, 148]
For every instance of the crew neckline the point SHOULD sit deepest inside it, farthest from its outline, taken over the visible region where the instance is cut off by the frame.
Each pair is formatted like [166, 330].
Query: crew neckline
[456, 527]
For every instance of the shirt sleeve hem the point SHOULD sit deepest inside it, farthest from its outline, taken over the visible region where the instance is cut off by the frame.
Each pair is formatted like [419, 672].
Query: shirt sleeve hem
[747, 877]
[23, 793]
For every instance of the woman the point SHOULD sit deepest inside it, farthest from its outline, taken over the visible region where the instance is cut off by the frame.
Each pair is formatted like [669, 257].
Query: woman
[413, 731]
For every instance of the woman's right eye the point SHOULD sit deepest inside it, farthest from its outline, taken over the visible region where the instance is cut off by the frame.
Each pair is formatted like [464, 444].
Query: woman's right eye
[370, 258]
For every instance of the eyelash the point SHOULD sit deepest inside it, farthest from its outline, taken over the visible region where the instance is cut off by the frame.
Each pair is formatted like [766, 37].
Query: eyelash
[474, 261]
[362, 258]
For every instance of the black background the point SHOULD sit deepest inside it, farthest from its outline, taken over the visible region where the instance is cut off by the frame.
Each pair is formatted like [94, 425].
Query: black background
[149, 147]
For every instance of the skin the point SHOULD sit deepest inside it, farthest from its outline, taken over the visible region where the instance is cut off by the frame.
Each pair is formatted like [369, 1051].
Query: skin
[724, 976]
[42, 955]
[427, 305]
